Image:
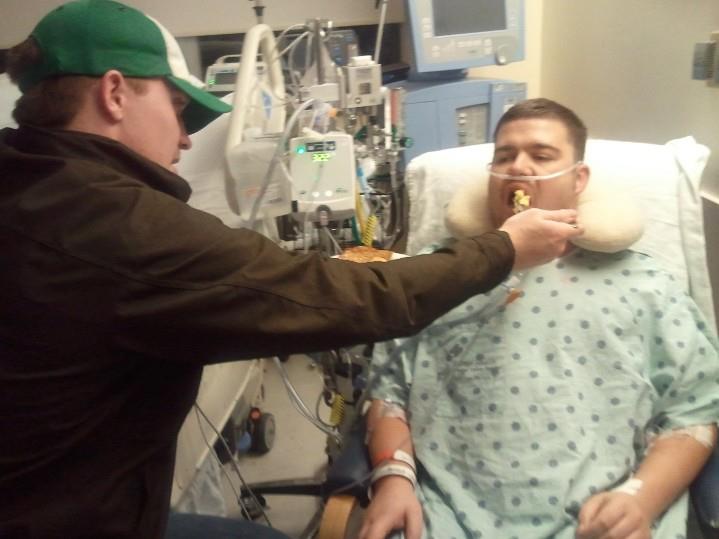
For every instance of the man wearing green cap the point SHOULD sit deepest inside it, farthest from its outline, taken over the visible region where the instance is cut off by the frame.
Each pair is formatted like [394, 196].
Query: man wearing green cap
[115, 292]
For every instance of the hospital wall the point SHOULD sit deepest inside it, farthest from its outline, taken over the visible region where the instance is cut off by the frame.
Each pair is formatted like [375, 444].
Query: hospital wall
[207, 17]
[625, 67]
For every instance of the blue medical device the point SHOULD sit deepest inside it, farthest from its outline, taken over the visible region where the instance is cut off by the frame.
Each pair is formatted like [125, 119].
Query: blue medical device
[443, 108]
[458, 113]
[449, 36]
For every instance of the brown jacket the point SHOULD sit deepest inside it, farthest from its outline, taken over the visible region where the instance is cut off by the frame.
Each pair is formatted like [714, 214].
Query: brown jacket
[114, 293]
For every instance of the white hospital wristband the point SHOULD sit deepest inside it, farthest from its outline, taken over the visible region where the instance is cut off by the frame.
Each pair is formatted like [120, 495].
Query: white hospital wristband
[631, 486]
[392, 469]
[399, 455]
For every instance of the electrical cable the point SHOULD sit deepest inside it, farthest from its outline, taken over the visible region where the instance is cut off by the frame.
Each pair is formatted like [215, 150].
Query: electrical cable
[243, 507]
[235, 468]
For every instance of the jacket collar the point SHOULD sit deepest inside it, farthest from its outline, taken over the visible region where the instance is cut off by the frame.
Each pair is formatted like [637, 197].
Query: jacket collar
[102, 150]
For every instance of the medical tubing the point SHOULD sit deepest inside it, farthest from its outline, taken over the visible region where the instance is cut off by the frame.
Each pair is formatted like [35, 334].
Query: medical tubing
[551, 176]
[387, 113]
[308, 55]
[336, 245]
[234, 466]
[299, 404]
[275, 158]
[293, 44]
[317, 412]
[284, 32]
[320, 171]
[290, 62]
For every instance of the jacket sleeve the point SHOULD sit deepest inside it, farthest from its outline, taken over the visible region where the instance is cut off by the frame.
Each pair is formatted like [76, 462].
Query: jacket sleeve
[193, 289]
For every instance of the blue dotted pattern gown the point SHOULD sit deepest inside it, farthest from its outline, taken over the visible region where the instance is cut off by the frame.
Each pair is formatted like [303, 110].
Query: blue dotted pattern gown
[520, 412]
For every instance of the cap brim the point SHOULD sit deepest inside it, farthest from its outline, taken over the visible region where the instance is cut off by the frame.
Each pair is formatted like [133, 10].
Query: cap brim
[202, 108]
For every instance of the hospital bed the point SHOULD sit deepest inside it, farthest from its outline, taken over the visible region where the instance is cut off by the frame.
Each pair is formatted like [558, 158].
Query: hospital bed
[663, 179]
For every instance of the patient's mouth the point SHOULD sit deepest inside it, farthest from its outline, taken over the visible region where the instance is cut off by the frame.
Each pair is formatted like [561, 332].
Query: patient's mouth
[518, 197]
[520, 201]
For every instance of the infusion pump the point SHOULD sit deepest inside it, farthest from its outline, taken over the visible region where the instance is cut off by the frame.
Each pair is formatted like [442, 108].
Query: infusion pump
[323, 174]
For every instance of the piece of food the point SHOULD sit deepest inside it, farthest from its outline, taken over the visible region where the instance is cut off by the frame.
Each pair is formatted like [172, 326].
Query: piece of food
[363, 253]
[521, 201]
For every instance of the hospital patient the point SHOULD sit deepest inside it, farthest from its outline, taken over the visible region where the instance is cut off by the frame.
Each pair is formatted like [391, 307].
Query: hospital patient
[584, 407]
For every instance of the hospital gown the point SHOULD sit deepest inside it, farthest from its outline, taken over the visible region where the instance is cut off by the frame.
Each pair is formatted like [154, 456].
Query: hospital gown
[520, 412]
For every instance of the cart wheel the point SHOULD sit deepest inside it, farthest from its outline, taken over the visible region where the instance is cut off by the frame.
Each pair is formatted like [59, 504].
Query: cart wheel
[264, 434]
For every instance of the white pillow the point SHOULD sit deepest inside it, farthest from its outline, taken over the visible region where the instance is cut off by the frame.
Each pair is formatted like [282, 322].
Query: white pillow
[658, 184]
[611, 219]
[457, 179]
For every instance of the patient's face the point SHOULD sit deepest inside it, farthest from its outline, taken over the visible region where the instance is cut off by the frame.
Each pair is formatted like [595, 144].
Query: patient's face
[534, 147]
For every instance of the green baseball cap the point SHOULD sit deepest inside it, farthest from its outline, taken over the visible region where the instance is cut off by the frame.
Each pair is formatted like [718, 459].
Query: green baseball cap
[91, 37]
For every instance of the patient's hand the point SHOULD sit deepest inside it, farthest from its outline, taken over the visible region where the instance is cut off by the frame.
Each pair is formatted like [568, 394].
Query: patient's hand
[394, 506]
[540, 236]
[613, 515]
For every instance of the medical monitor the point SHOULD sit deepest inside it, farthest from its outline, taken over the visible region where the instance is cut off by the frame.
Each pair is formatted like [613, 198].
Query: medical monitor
[453, 35]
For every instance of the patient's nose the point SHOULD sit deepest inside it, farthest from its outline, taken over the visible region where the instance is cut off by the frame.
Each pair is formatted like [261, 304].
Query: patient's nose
[521, 165]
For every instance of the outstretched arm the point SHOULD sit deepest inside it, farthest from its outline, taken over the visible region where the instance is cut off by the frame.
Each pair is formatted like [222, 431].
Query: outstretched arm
[670, 466]
[394, 505]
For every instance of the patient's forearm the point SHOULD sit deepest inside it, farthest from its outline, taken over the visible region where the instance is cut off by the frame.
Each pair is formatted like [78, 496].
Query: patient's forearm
[386, 434]
[669, 467]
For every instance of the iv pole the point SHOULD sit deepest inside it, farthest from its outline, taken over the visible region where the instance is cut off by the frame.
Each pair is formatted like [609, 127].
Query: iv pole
[259, 8]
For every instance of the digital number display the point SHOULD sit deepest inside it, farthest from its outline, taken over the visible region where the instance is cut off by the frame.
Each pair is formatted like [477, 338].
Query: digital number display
[321, 157]
[328, 146]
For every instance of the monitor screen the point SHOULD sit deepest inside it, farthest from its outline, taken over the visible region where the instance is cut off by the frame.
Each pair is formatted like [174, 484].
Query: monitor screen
[468, 16]
[449, 36]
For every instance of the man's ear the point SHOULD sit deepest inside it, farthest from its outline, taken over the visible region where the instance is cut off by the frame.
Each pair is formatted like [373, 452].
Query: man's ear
[582, 178]
[112, 96]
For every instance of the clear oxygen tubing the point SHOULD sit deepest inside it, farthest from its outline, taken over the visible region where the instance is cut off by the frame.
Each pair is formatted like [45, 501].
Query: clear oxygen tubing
[299, 404]
[503, 176]
[275, 159]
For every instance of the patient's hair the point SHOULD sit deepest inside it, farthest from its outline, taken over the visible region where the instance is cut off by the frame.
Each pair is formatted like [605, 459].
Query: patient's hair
[53, 102]
[546, 108]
